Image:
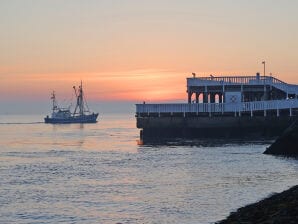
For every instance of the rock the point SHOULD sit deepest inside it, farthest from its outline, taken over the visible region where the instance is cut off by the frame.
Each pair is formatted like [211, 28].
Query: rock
[287, 143]
[279, 208]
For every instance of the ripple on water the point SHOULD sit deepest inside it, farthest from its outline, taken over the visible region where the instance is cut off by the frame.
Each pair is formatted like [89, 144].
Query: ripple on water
[98, 174]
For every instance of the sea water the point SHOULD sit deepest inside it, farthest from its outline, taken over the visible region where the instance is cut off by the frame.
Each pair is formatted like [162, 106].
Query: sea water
[97, 173]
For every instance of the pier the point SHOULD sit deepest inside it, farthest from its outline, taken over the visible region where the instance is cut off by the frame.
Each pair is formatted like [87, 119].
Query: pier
[229, 106]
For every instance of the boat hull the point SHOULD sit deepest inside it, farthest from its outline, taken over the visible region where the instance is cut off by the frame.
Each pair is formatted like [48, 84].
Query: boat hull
[90, 118]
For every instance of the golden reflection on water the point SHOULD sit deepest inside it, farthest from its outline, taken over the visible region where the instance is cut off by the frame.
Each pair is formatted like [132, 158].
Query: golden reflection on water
[106, 135]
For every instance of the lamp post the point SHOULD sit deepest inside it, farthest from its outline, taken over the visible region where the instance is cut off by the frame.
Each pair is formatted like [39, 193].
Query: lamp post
[264, 63]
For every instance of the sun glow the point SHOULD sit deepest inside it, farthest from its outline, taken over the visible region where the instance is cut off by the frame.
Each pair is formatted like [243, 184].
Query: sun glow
[148, 85]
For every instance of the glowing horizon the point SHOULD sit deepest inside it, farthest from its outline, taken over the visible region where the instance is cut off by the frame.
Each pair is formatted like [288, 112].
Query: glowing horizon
[128, 86]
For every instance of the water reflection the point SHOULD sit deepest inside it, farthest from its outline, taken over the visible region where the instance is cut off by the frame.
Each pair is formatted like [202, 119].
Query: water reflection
[97, 173]
[68, 135]
[202, 142]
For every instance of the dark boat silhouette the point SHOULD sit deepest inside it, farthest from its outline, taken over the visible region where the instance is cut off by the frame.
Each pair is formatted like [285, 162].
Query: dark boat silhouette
[81, 112]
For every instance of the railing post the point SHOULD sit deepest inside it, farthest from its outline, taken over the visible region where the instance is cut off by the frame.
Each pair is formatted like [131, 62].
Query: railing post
[158, 110]
[222, 108]
[209, 109]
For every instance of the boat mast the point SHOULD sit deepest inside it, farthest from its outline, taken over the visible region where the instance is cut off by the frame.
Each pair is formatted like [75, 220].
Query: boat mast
[53, 98]
[80, 100]
[81, 105]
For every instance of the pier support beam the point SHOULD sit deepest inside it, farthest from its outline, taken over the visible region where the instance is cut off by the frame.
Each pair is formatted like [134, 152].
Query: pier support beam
[223, 94]
[205, 97]
[220, 98]
[197, 97]
[212, 97]
[189, 97]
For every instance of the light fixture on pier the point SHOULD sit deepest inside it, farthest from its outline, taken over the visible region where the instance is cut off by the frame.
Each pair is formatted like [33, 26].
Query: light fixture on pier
[264, 63]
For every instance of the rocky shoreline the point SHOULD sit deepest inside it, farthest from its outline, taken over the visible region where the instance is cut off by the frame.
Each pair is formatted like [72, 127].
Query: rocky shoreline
[279, 208]
[286, 144]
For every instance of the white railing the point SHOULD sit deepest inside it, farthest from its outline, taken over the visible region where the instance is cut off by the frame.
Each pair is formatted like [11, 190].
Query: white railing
[243, 80]
[217, 107]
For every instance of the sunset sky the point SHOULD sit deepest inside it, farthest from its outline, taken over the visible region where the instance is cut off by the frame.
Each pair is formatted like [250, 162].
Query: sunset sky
[135, 50]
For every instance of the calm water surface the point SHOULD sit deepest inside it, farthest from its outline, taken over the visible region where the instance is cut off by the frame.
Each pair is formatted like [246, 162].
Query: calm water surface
[96, 173]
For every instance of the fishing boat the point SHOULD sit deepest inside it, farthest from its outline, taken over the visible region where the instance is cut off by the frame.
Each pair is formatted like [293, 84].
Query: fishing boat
[81, 113]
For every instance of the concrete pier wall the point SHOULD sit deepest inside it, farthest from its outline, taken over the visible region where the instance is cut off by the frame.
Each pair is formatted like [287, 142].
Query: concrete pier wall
[213, 127]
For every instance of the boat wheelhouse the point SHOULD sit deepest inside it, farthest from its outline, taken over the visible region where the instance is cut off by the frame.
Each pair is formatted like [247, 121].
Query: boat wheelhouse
[226, 106]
